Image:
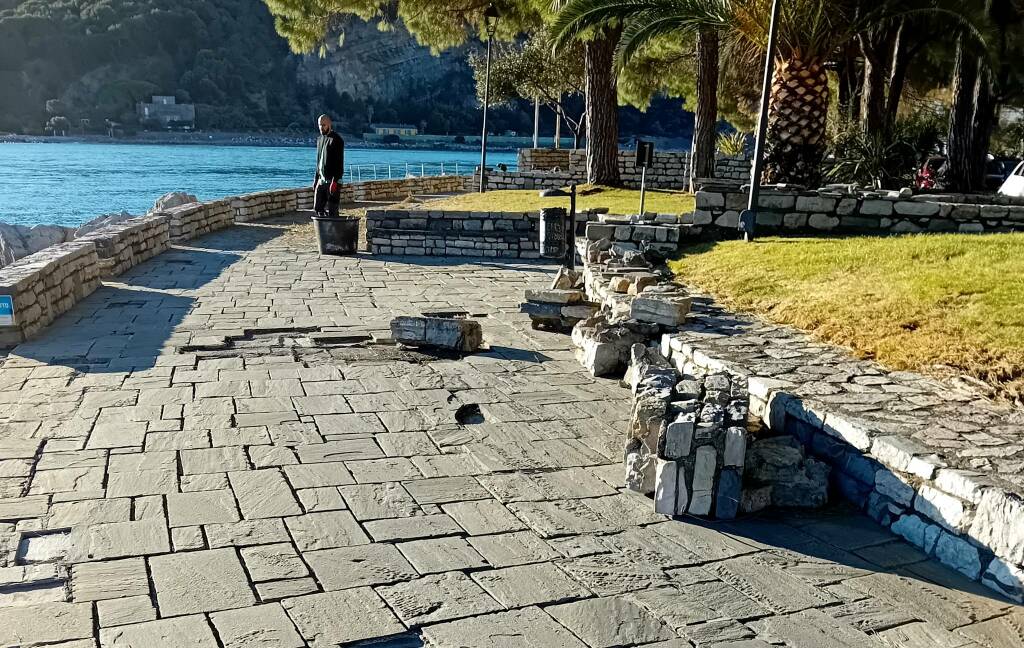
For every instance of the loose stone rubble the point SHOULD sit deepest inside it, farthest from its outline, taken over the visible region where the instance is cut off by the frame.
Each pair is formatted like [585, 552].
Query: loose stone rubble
[562, 306]
[687, 437]
[457, 334]
[779, 473]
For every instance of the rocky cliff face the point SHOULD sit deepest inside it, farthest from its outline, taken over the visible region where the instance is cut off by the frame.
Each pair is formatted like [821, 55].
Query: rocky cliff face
[379, 66]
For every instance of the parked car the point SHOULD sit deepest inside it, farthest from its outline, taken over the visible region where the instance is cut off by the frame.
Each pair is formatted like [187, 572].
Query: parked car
[998, 169]
[1014, 184]
[932, 174]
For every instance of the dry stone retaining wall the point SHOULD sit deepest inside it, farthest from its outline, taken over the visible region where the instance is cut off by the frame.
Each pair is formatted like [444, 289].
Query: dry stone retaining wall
[545, 168]
[970, 520]
[48, 283]
[858, 212]
[453, 233]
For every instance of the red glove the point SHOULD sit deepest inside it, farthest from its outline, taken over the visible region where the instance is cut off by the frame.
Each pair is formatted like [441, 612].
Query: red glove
[334, 186]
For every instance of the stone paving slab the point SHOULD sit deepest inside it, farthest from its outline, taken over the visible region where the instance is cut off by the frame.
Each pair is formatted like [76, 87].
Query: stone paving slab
[206, 472]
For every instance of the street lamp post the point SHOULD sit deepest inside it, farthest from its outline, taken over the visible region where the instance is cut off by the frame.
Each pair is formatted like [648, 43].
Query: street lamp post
[748, 219]
[491, 16]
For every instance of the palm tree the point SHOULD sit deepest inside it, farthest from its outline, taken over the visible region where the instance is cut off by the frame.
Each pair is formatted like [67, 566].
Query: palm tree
[810, 32]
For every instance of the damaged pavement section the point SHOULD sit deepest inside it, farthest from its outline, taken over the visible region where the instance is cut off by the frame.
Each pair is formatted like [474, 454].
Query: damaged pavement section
[453, 333]
[689, 445]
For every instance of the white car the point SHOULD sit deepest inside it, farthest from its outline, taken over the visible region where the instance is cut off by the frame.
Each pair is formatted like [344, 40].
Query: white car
[1014, 185]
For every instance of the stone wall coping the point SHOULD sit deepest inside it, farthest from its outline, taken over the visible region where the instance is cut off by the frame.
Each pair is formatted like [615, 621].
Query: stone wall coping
[379, 214]
[724, 187]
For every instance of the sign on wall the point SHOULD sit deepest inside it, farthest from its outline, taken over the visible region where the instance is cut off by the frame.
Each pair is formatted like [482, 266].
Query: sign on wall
[644, 154]
[6, 310]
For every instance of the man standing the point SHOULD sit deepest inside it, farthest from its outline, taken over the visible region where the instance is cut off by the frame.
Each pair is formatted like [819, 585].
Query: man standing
[330, 165]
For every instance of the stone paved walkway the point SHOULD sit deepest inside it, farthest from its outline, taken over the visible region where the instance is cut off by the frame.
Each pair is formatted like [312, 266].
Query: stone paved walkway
[208, 453]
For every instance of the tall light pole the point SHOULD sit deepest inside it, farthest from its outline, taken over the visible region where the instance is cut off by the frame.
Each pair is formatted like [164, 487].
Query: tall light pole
[748, 219]
[491, 16]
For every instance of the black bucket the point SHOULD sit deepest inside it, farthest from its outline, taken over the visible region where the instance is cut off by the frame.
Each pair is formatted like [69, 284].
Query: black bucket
[337, 235]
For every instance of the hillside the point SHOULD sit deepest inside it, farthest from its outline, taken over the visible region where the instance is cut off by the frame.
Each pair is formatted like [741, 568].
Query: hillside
[98, 58]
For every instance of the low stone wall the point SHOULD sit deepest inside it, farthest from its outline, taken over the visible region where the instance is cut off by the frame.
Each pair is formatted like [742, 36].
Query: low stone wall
[378, 190]
[787, 210]
[47, 284]
[122, 246]
[963, 518]
[453, 233]
[198, 219]
[550, 159]
[50, 282]
[545, 168]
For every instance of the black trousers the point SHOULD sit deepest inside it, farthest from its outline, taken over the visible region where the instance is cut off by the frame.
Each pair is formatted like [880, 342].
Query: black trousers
[325, 204]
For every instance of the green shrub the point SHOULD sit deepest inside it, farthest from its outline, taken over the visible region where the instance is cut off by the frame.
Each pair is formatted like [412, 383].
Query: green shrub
[885, 159]
[732, 144]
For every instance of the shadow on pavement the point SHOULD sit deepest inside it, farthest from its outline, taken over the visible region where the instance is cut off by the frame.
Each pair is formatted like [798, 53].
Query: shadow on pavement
[839, 543]
[131, 319]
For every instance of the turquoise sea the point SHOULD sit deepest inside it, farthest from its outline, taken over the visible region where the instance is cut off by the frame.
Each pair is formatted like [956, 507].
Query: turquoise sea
[70, 183]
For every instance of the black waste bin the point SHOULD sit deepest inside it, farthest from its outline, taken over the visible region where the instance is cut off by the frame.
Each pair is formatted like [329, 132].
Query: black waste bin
[552, 233]
[336, 235]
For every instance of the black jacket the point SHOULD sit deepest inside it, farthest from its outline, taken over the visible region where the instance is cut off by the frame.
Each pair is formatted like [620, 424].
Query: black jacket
[330, 158]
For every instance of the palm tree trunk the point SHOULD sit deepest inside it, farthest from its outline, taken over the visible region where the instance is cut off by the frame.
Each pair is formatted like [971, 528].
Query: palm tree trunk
[984, 123]
[602, 109]
[797, 117]
[850, 85]
[706, 115]
[960, 141]
[872, 100]
[902, 55]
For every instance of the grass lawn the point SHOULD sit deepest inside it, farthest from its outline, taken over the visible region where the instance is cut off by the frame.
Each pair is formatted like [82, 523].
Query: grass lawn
[618, 201]
[926, 302]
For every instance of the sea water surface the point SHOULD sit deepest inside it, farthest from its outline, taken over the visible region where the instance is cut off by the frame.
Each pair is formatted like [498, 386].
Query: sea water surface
[70, 183]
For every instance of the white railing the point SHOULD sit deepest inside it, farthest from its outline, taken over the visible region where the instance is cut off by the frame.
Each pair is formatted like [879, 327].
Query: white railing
[364, 172]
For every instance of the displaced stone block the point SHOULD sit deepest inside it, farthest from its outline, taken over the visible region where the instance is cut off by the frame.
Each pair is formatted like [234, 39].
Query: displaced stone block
[448, 333]
[705, 465]
[727, 500]
[555, 296]
[665, 477]
[795, 480]
[668, 311]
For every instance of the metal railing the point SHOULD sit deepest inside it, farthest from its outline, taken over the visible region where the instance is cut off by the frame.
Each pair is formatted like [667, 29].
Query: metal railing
[364, 172]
